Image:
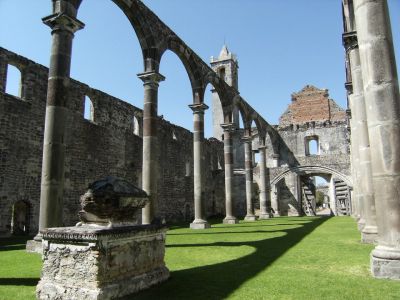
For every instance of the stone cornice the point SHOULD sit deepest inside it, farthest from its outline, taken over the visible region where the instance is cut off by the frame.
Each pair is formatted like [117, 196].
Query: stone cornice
[61, 21]
[198, 107]
[228, 127]
[151, 77]
[91, 234]
[350, 41]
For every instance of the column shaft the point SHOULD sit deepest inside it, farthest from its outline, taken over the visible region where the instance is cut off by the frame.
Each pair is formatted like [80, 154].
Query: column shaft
[198, 140]
[264, 186]
[382, 99]
[228, 159]
[369, 231]
[52, 181]
[248, 164]
[150, 144]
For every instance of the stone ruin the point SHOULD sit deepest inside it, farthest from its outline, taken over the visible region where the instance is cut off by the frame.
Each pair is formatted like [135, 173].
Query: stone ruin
[106, 255]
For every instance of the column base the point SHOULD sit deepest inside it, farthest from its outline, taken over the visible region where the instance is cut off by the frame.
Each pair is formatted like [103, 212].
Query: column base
[33, 246]
[385, 262]
[250, 218]
[230, 220]
[199, 224]
[361, 224]
[265, 216]
[369, 235]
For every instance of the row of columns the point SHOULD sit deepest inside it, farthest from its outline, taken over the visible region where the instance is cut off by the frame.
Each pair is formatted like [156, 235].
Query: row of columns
[375, 110]
[64, 24]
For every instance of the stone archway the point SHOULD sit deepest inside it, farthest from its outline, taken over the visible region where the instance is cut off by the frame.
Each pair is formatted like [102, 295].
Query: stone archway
[293, 193]
[20, 218]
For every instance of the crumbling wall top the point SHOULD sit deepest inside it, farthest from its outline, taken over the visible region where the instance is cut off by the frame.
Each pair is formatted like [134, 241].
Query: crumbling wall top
[310, 105]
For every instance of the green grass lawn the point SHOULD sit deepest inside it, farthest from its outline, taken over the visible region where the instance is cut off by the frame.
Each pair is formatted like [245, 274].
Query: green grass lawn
[281, 258]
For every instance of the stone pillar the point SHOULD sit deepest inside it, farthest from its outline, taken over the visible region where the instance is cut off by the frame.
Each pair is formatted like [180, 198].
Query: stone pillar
[228, 158]
[274, 201]
[63, 27]
[369, 229]
[332, 197]
[355, 165]
[198, 140]
[248, 165]
[264, 186]
[150, 144]
[382, 99]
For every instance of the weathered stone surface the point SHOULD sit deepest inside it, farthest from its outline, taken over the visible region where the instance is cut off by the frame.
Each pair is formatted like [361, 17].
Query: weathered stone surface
[101, 263]
[111, 201]
[107, 145]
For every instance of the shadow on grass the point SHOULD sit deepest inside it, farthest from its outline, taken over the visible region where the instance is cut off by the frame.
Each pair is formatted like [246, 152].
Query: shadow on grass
[13, 243]
[218, 281]
[19, 281]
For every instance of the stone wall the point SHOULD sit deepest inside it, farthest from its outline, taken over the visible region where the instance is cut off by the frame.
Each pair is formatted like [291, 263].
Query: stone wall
[309, 105]
[105, 145]
[312, 116]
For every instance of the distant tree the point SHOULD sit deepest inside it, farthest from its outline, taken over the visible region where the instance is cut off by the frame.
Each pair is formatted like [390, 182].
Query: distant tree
[319, 198]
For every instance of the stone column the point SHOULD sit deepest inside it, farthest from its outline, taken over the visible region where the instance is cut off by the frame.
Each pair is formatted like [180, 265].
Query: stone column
[52, 185]
[274, 201]
[369, 229]
[382, 99]
[355, 165]
[150, 144]
[332, 196]
[198, 140]
[248, 165]
[228, 158]
[265, 189]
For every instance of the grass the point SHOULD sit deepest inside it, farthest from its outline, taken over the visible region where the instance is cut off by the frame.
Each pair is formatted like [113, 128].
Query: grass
[281, 258]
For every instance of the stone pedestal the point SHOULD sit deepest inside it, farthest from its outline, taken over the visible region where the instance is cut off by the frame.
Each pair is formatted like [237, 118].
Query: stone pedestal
[230, 220]
[33, 246]
[101, 263]
[201, 224]
[250, 218]
[265, 216]
[385, 262]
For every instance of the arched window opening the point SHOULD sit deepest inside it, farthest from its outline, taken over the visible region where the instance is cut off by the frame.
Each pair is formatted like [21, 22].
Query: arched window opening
[187, 212]
[221, 73]
[20, 218]
[219, 164]
[256, 157]
[187, 169]
[88, 110]
[139, 179]
[14, 81]
[174, 136]
[312, 146]
[135, 126]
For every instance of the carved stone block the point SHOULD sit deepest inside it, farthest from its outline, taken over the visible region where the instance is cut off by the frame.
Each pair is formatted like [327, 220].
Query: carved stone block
[101, 263]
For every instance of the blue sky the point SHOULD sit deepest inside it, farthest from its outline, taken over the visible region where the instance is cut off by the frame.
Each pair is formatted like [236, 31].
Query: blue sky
[281, 46]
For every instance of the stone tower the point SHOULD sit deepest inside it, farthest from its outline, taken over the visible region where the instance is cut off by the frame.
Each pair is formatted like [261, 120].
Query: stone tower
[226, 66]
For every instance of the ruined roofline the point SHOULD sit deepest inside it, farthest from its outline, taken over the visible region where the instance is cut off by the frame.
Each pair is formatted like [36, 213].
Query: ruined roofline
[311, 105]
[25, 65]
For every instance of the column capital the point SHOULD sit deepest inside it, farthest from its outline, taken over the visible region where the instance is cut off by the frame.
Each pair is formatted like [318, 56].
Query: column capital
[230, 127]
[349, 87]
[198, 108]
[62, 21]
[350, 40]
[247, 139]
[151, 77]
